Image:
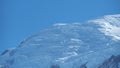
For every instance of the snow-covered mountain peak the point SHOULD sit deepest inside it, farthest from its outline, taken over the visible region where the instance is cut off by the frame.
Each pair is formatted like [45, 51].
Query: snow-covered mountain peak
[110, 25]
[75, 45]
[113, 19]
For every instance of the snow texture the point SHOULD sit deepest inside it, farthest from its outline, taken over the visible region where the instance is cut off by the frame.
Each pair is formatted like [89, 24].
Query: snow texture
[93, 44]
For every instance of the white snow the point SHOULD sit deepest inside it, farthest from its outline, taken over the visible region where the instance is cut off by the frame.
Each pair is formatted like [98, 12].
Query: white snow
[75, 39]
[70, 54]
[110, 25]
[60, 24]
[73, 46]
[68, 48]
[62, 59]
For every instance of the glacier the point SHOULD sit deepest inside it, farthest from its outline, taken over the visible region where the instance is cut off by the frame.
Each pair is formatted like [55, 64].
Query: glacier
[91, 44]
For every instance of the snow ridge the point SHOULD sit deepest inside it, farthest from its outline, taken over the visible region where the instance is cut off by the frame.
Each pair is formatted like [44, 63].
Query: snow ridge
[93, 44]
[110, 25]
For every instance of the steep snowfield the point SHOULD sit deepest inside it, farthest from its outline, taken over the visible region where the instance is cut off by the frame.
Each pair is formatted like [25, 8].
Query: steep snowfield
[94, 44]
[110, 25]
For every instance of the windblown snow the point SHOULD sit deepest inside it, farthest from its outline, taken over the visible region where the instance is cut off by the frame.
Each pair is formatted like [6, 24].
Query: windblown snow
[93, 44]
[110, 25]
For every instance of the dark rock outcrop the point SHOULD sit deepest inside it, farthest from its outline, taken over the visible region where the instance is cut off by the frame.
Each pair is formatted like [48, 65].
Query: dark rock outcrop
[112, 62]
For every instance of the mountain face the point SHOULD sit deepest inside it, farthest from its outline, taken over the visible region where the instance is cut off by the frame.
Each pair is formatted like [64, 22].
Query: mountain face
[93, 44]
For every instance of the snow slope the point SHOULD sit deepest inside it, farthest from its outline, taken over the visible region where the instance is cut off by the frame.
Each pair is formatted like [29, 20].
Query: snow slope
[110, 25]
[94, 44]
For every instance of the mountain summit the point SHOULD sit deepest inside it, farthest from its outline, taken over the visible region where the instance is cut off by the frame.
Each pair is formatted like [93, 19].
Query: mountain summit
[93, 44]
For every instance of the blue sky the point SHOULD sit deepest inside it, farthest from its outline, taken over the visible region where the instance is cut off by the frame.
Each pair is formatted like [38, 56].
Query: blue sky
[22, 18]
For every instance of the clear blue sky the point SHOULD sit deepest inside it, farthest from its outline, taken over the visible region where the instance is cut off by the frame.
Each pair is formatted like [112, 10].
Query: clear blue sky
[22, 18]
